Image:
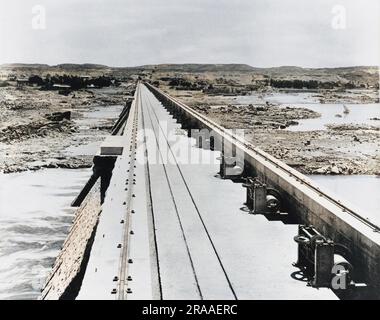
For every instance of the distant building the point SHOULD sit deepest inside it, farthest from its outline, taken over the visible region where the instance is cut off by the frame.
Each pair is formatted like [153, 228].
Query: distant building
[12, 77]
[63, 89]
[61, 86]
[22, 82]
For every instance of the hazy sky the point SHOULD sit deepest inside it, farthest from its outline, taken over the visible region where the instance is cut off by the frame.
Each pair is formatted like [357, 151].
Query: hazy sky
[134, 32]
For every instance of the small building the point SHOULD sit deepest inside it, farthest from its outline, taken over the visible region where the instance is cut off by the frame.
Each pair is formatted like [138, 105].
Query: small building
[61, 86]
[63, 89]
[11, 77]
[22, 82]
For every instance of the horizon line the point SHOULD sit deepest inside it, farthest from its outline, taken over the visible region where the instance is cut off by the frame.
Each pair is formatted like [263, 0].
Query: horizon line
[180, 64]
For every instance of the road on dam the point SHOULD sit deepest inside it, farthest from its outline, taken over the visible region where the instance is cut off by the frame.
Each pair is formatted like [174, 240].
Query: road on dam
[171, 228]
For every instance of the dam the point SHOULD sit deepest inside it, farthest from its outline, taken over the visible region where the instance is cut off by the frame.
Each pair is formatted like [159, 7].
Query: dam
[179, 207]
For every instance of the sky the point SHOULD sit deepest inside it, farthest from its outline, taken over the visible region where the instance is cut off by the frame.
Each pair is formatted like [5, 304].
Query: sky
[261, 33]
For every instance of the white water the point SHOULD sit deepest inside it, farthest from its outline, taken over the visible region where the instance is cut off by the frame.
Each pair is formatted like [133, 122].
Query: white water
[35, 216]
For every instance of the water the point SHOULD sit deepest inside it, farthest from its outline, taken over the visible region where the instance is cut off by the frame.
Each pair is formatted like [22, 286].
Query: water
[35, 216]
[96, 117]
[361, 192]
[359, 114]
[278, 98]
[85, 149]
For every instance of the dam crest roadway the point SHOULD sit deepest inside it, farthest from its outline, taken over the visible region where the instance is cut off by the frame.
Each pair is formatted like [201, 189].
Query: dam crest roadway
[170, 214]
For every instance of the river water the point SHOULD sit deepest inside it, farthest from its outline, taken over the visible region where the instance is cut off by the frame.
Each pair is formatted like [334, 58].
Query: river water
[361, 193]
[330, 113]
[333, 114]
[35, 216]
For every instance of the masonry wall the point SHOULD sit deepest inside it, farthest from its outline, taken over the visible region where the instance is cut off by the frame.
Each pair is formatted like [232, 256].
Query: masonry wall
[64, 280]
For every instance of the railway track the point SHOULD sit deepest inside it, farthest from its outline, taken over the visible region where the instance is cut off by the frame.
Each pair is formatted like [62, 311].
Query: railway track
[154, 118]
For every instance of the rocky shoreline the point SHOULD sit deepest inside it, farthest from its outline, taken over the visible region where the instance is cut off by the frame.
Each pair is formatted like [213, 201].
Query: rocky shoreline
[341, 149]
[37, 127]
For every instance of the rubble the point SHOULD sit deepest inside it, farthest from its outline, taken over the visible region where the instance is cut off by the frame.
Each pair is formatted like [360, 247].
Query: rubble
[37, 126]
[342, 149]
[246, 117]
[34, 129]
[59, 116]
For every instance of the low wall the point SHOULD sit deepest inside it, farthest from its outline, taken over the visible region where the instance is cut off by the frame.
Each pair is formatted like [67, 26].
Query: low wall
[65, 279]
